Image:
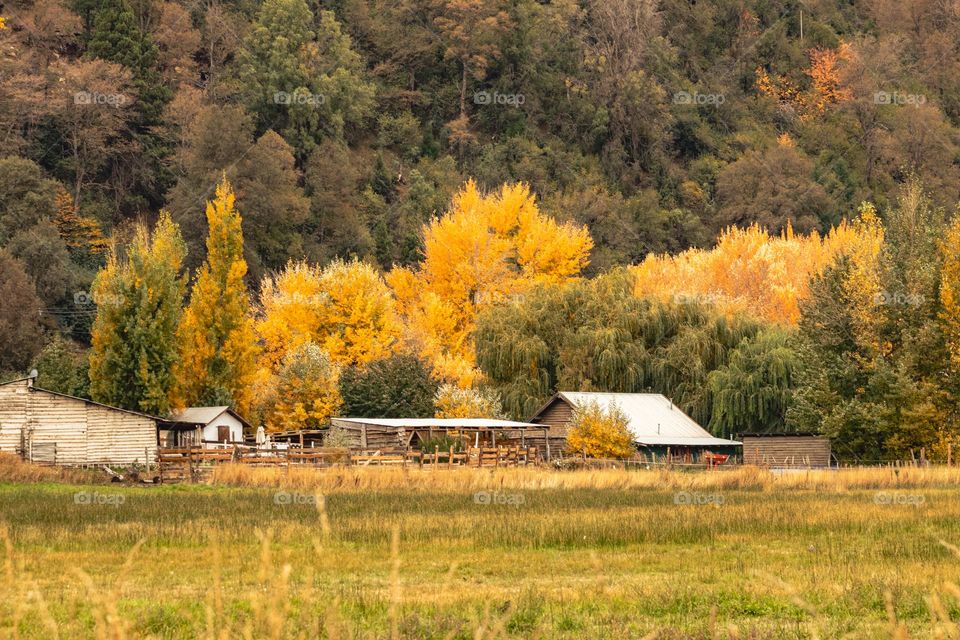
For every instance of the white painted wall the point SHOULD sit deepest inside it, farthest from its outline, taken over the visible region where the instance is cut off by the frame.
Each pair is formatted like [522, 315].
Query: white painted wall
[224, 420]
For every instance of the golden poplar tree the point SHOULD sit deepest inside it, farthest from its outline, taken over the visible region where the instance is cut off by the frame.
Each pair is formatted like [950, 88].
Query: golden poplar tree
[950, 291]
[345, 308]
[485, 250]
[216, 335]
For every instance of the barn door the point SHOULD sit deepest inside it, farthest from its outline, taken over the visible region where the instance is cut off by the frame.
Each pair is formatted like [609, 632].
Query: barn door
[40, 452]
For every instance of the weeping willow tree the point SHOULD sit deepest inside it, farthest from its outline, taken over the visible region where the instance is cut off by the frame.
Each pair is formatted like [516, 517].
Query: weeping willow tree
[597, 336]
[752, 391]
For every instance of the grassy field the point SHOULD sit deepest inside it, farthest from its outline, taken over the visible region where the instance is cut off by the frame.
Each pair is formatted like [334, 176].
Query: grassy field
[483, 554]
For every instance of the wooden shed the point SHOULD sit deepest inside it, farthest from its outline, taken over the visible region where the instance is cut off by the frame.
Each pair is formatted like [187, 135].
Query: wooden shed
[660, 430]
[55, 428]
[372, 433]
[786, 450]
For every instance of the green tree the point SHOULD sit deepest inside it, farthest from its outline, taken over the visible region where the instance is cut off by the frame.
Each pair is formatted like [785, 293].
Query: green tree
[597, 336]
[219, 140]
[751, 392]
[396, 387]
[303, 81]
[116, 37]
[139, 297]
[64, 366]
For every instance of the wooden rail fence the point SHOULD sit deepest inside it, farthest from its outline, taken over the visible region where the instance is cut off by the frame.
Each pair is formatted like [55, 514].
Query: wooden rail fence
[191, 464]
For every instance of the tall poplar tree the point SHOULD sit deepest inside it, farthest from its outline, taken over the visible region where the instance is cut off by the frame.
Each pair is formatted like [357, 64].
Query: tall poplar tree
[217, 342]
[139, 298]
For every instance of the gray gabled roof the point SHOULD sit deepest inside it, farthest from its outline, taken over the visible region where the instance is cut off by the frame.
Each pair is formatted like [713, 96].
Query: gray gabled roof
[652, 418]
[436, 423]
[203, 415]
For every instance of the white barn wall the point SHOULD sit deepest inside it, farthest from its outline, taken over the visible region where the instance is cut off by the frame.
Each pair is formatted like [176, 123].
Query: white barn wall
[223, 420]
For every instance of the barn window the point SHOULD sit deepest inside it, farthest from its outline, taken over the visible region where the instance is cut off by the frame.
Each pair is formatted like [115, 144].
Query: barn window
[223, 434]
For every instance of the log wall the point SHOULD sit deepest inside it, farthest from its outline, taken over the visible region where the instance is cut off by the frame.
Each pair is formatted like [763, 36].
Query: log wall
[50, 427]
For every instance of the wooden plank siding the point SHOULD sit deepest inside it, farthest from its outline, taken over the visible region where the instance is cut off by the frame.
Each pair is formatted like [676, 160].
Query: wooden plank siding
[52, 427]
[789, 451]
[556, 417]
[13, 414]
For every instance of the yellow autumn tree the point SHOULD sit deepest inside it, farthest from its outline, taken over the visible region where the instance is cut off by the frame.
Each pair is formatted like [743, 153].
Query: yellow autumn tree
[487, 248]
[344, 308]
[301, 394]
[750, 270]
[599, 432]
[216, 336]
[950, 291]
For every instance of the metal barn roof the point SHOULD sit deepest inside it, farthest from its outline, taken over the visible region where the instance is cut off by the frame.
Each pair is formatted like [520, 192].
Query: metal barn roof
[203, 415]
[440, 423]
[652, 418]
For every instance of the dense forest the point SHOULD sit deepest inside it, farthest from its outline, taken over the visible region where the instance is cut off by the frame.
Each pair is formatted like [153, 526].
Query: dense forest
[463, 205]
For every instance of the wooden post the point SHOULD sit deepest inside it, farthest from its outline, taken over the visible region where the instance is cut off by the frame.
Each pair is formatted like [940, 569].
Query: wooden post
[363, 436]
[450, 459]
[546, 439]
[493, 437]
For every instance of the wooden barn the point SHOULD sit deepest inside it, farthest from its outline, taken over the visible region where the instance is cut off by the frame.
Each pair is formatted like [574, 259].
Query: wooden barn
[786, 450]
[659, 428]
[55, 428]
[372, 433]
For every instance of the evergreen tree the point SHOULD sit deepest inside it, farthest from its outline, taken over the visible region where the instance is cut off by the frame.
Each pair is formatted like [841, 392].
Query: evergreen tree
[216, 337]
[139, 299]
[396, 387]
[115, 37]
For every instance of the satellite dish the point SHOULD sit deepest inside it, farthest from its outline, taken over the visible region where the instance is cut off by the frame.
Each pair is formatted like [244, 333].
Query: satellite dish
[34, 373]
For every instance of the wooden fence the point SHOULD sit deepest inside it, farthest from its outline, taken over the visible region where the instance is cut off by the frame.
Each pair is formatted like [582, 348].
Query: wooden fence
[195, 463]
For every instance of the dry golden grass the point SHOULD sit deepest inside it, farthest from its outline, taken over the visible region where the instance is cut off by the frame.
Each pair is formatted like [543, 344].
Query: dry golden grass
[14, 469]
[395, 553]
[537, 478]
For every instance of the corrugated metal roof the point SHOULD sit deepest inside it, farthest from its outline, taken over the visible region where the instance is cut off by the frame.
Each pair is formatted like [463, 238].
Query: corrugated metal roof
[197, 415]
[440, 423]
[652, 418]
[204, 415]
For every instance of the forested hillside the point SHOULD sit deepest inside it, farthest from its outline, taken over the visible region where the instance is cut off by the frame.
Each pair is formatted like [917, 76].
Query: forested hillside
[746, 205]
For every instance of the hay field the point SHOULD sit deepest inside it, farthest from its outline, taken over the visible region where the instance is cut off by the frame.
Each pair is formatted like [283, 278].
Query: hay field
[515, 553]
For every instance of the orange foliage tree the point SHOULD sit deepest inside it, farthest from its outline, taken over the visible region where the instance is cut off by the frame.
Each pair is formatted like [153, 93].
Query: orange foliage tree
[750, 270]
[344, 308]
[486, 249]
[825, 85]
